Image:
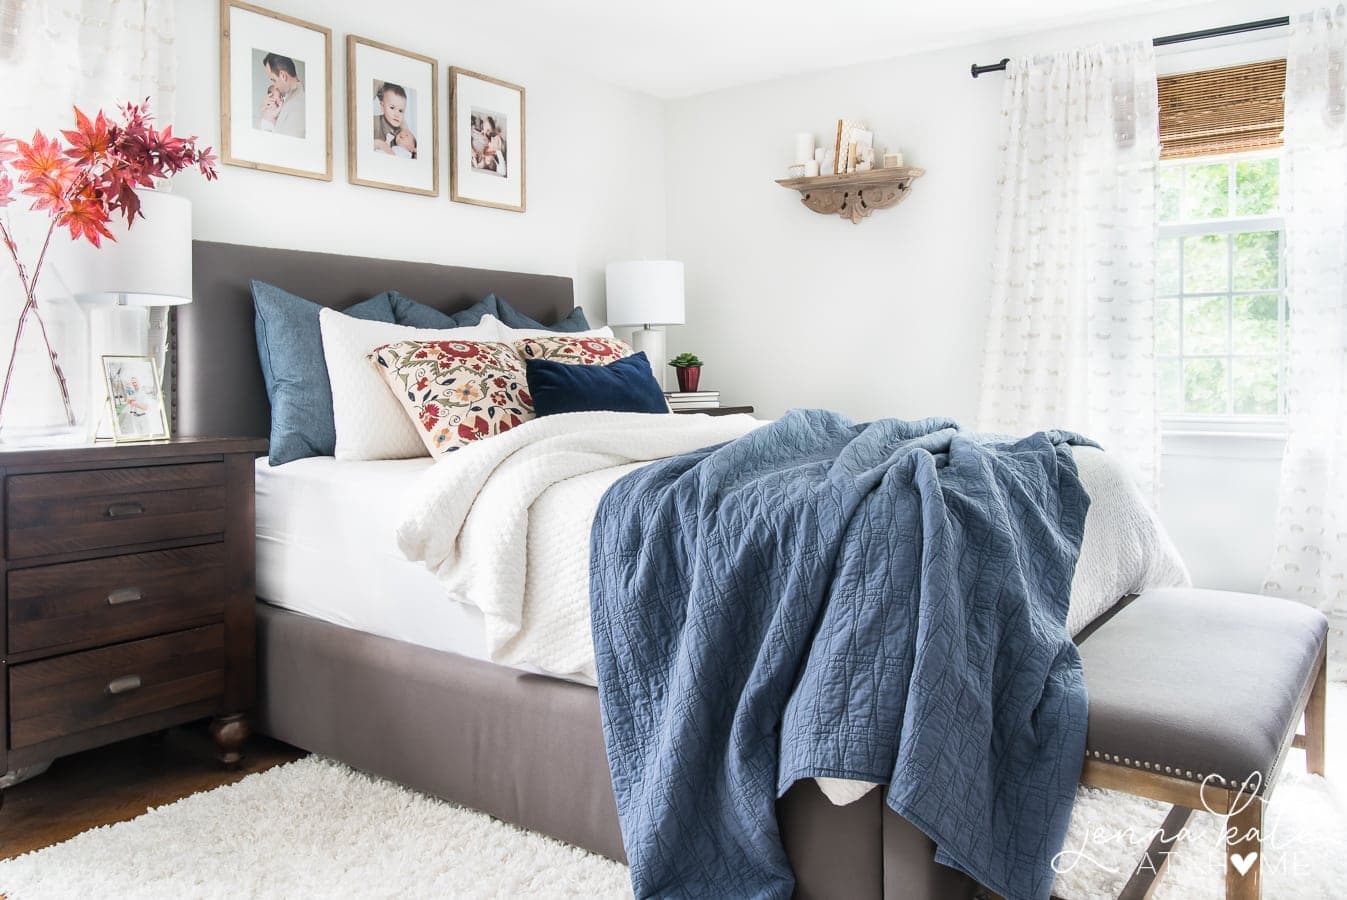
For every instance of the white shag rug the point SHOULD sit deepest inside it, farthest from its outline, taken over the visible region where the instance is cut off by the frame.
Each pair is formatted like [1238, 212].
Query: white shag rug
[315, 828]
[311, 828]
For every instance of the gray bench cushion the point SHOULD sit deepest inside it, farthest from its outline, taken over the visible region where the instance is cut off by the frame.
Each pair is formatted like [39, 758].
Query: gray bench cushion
[1191, 682]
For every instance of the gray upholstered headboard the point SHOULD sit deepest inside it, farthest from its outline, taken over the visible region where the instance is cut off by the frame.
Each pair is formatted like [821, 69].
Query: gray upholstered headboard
[217, 378]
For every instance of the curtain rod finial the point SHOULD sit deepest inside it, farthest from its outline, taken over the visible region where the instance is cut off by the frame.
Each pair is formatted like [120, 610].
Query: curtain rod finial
[995, 67]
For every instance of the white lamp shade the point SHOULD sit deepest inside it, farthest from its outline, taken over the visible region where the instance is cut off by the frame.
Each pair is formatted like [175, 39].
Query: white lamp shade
[645, 292]
[149, 264]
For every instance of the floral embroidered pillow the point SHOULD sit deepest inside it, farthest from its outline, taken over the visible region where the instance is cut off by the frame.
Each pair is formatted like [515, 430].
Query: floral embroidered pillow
[456, 392]
[583, 351]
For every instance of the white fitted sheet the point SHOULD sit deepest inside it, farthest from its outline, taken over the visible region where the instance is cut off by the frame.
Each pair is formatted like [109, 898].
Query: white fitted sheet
[327, 548]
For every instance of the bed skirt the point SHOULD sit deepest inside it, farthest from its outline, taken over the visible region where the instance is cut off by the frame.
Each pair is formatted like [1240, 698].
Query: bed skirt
[528, 749]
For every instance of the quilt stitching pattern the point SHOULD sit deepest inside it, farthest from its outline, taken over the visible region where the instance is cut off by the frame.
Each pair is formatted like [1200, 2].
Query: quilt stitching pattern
[883, 602]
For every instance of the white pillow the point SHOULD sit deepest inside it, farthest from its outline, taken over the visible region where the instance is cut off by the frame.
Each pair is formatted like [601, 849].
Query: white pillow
[510, 335]
[369, 420]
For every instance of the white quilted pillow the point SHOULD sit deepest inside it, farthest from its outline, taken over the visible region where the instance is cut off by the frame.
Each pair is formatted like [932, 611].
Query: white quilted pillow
[370, 422]
[1125, 549]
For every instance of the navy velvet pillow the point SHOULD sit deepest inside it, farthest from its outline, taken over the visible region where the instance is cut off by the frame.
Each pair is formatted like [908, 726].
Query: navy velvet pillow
[407, 311]
[290, 346]
[623, 386]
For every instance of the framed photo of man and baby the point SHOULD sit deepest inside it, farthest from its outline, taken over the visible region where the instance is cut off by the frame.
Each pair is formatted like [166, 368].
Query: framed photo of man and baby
[392, 118]
[275, 92]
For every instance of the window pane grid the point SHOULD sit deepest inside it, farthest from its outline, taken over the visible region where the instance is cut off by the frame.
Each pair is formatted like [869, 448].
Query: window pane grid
[1220, 308]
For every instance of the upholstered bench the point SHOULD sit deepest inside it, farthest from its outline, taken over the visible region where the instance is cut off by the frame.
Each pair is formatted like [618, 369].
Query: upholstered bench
[1195, 698]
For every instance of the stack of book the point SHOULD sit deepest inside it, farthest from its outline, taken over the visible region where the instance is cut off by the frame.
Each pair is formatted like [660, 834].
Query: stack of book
[692, 399]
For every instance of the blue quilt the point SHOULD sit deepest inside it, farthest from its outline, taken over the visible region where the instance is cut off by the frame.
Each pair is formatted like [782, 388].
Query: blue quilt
[882, 601]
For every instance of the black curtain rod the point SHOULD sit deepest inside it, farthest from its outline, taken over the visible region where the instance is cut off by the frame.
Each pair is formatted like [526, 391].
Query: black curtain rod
[1205, 33]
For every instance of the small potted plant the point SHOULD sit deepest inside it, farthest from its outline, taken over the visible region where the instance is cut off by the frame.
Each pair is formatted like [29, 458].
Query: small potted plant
[689, 369]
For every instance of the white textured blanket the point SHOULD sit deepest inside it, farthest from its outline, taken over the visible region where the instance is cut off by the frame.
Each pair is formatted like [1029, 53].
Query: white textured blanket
[504, 523]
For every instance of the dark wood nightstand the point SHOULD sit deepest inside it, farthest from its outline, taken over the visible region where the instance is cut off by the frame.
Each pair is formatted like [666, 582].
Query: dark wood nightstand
[717, 411]
[127, 595]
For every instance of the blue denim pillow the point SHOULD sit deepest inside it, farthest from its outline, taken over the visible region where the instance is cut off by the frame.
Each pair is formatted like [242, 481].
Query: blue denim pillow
[407, 311]
[290, 346]
[513, 318]
[623, 386]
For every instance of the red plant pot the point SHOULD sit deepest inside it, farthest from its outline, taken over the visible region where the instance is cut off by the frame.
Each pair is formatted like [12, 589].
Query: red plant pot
[688, 378]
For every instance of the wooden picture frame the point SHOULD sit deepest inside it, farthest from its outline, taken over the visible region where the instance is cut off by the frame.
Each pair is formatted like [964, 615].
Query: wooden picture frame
[403, 166]
[268, 120]
[496, 180]
[136, 399]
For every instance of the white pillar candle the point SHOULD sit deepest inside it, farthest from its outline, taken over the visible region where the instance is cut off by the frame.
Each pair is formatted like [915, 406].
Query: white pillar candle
[819, 153]
[811, 169]
[804, 148]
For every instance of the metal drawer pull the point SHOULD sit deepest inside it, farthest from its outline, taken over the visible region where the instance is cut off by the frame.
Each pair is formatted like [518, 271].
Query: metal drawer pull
[124, 595]
[123, 684]
[124, 510]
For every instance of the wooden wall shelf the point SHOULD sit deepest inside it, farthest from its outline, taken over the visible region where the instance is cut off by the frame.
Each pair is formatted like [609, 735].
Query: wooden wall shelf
[855, 196]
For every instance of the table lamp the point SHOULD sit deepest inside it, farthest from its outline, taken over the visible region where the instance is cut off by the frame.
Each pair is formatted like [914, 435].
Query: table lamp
[126, 285]
[648, 293]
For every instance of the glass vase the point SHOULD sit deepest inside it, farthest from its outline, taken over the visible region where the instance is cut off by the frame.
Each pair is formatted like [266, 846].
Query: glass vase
[41, 411]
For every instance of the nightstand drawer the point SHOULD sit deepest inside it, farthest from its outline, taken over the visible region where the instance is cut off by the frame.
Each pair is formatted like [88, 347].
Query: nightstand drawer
[68, 512]
[81, 691]
[101, 601]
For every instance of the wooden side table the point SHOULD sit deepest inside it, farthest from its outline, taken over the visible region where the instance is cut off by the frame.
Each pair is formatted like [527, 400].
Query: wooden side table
[127, 594]
[717, 411]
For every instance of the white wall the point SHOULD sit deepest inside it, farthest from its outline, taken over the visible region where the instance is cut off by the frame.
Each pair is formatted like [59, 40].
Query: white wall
[789, 308]
[594, 168]
[887, 318]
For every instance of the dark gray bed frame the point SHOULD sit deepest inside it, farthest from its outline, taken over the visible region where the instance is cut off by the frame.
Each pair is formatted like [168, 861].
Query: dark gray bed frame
[524, 748]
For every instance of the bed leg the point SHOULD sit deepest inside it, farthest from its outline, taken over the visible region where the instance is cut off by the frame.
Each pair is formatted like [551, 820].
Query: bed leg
[1243, 849]
[1315, 721]
[229, 732]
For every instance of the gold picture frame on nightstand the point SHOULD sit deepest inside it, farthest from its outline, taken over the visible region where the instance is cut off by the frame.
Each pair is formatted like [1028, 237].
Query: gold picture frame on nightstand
[135, 399]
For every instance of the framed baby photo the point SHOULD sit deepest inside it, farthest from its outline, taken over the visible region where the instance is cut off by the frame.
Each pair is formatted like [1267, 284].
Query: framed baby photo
[486, 141]
[138, 412]
[392, 118]
[275, 92]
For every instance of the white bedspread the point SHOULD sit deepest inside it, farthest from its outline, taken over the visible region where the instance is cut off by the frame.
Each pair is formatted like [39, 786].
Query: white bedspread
[504, 524]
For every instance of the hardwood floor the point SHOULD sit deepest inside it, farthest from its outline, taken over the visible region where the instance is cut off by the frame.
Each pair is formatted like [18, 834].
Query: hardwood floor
[120, 781]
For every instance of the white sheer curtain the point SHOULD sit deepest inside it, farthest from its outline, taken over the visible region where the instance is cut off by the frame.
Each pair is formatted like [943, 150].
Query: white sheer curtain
[92, 53]
[95, 54]
[1070, 341]
[1310, 560]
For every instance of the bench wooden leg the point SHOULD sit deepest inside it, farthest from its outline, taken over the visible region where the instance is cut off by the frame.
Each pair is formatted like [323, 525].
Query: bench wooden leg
[1316, 720]
[1244, 849]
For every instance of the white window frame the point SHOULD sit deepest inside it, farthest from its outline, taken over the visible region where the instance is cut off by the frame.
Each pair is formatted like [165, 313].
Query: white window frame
[1194, 424]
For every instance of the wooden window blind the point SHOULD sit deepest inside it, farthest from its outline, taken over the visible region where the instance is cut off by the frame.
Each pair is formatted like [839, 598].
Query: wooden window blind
[1228, 110]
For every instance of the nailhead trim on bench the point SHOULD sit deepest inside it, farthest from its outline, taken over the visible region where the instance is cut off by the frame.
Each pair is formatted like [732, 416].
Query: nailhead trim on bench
[1156, 767]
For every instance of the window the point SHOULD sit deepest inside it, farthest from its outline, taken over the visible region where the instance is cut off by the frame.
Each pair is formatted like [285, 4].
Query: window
[1220, 313]
[1220, 309]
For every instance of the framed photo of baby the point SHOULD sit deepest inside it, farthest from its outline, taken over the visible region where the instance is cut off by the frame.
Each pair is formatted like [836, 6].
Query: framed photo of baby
[392, 118]
[275, 92]
[486, 153]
